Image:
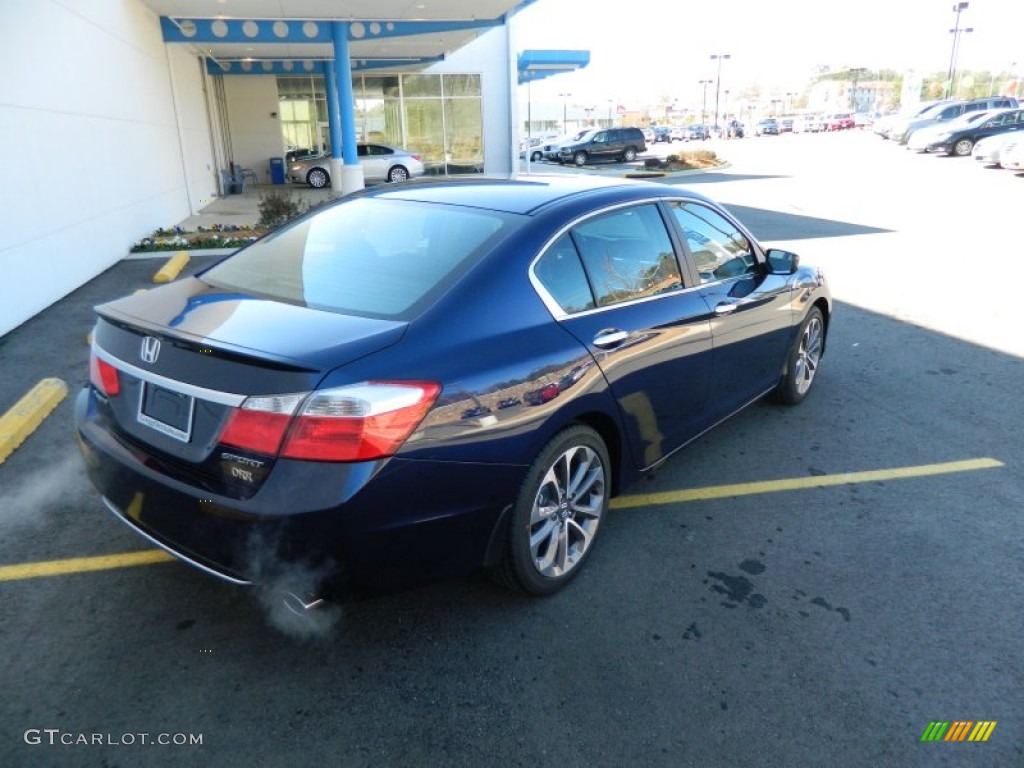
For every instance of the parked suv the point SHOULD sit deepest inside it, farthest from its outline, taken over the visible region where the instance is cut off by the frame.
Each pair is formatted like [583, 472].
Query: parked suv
[614, 143]
[942, 112]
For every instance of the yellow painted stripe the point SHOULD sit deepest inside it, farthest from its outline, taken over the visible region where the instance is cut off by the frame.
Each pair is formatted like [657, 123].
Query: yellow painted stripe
[28, 413]
[990, 726]
[798, 483]
[83, 565]
[172, 268]
[147, 557]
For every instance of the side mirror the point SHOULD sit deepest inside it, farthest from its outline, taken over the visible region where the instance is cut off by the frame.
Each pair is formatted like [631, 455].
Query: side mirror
[782, 262]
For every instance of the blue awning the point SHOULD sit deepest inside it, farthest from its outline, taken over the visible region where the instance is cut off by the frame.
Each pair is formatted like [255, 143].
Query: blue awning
[535, 65]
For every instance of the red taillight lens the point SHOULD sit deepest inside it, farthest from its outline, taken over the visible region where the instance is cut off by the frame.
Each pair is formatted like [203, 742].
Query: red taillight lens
[104, 376]
[359, 422]
[259, 425]
[417, 157]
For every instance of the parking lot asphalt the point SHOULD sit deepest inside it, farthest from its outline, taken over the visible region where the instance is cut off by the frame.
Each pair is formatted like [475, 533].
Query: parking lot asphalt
[745, 623]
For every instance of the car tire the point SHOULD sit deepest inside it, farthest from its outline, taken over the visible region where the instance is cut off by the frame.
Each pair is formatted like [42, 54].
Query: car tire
[557, 513]
[318, 178]
[629, 155]
[963, 148]
[398, 173]
[803, 360]
[580, 158]
[536, 156]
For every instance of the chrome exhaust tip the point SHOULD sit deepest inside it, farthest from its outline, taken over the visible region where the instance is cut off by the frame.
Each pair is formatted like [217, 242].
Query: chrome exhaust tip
[301, 606]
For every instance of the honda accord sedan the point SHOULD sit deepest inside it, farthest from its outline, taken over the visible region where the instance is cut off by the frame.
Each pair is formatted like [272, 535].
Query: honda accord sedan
[439, 377]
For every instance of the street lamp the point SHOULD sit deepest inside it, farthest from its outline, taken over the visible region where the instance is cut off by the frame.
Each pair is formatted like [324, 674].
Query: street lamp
[609, 114]
[957, 9]
[719, 57]
[564, 96]
[704, 101]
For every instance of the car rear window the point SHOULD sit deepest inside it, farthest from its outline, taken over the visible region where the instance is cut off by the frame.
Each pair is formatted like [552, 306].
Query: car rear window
[369, 257]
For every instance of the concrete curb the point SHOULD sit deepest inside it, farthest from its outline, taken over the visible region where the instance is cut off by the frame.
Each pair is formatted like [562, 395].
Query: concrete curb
[28, 413]
[172, 268]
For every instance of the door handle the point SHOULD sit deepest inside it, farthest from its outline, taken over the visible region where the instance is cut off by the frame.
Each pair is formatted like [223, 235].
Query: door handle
[726, 308]
[610, 337]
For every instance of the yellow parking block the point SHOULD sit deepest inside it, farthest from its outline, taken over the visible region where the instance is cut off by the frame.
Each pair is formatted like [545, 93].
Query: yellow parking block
[172, 268]
[28, 413]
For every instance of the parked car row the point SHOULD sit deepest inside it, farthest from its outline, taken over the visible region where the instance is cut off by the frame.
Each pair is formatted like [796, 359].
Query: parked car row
[902, 126]
[958, 136]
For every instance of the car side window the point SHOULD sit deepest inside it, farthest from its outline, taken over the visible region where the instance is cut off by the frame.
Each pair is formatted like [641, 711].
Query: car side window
[561, 273]
[627, 255]
[720, 251]
[600, 138]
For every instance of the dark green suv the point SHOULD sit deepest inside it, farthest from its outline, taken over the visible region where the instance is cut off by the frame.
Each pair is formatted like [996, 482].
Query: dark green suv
[609, 144]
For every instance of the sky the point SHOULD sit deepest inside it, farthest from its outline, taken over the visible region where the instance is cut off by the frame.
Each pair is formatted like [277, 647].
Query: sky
[661, 49]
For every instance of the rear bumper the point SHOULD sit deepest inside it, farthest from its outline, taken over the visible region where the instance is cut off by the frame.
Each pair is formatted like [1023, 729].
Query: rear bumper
[374, 524]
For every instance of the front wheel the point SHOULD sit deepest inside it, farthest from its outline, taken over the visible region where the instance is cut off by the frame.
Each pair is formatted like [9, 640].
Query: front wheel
[318, 178]
[557, 513]
[536, 156]
[398, 173]
[580, 158]
[963, 147]
[803, 360]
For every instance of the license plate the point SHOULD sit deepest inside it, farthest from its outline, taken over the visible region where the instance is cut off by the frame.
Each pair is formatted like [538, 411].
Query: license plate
[167, 411]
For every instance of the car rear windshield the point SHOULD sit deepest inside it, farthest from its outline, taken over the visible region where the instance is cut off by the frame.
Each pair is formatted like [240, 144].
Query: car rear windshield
[368, 257]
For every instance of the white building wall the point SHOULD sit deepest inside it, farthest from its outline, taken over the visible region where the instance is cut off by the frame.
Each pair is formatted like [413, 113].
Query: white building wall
[190, 83]
[91, 146]
[255, 127]
[489, 56]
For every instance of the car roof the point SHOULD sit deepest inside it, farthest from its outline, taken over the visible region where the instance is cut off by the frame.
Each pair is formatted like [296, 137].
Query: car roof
[525, 195]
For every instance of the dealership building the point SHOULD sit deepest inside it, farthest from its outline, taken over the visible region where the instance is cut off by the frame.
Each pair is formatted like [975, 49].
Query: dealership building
[121, 116]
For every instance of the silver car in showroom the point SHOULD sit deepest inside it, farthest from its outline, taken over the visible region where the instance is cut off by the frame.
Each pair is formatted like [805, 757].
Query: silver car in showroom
[380, 162]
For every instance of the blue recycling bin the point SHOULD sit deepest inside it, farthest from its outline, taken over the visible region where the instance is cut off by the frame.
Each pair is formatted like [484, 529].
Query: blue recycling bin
[277, 170]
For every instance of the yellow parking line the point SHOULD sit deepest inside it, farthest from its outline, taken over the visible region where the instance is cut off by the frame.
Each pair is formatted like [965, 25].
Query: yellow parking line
[152, 556]
[27, 414]
[83, 565]
[797, 483]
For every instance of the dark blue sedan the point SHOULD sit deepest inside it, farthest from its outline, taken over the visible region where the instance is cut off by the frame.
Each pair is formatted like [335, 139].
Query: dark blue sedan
[421, 381]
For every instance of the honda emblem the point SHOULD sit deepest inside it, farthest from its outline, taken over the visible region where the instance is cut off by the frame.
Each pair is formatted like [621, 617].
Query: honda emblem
[150, 349]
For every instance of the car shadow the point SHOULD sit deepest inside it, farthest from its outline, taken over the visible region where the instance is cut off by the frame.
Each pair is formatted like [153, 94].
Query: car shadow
[767, 224]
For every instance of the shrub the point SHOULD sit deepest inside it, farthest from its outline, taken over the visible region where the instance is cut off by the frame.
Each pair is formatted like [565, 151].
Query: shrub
[278, 207]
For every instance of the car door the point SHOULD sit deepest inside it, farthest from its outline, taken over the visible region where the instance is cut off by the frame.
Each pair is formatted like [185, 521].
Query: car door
[751, 308]
[614, 282]
[375, 160]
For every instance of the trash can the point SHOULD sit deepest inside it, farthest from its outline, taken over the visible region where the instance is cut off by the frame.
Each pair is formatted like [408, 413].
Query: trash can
[277, 170]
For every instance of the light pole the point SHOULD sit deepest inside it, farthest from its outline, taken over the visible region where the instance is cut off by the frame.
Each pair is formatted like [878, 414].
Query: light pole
[790, 95]
[565, 96]
[957, 9]
[719, 57]
[609, 114]
[704, 101]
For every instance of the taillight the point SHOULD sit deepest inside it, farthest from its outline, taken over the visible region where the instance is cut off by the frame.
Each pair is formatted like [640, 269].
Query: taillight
[359, 422]
[417, 157]
[104, 376]
[260, 423]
